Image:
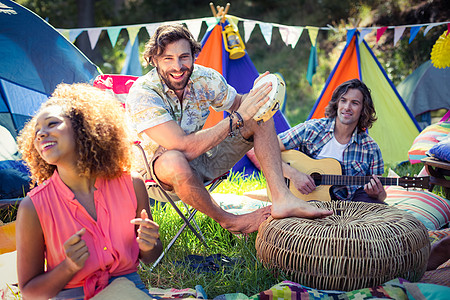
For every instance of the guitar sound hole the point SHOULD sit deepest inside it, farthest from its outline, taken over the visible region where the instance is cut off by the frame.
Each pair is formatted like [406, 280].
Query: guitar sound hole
[317, 178]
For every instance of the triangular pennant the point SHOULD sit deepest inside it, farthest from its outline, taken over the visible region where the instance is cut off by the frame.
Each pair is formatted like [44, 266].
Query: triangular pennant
[413, 32]
[248, 29]
[132, 33]
[313, 32]
[350, 34]
[194, 27]
[74, 33]
[428, 29]
[363, 32]
[284, 32]
[151, 28]
[113, 34]
[398, 32]
[294, 35]
[380, 32]
[65, 33]
[93, 34]
[290, 34]
[266, 30]
[211, 23]
[233, 21]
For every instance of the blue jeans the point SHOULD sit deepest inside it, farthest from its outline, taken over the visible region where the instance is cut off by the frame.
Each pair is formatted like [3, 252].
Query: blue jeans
[78, 293]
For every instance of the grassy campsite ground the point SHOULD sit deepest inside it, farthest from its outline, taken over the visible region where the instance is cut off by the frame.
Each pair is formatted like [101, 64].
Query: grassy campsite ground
[247, 275]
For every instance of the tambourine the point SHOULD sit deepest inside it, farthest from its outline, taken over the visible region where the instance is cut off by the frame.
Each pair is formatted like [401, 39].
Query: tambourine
[276, 97]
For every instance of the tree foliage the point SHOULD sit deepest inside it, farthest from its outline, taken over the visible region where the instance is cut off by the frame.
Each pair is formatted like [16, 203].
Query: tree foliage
[399, 60]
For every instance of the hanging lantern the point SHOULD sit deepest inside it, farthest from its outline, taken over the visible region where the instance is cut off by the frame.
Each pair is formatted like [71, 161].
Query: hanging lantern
[233, 42]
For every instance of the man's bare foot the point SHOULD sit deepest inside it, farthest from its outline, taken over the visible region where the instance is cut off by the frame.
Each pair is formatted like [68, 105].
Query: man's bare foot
[246, 223]
[291, 206]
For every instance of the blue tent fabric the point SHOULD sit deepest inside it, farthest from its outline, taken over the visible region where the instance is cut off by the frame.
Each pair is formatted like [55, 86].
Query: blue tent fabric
[34, 58]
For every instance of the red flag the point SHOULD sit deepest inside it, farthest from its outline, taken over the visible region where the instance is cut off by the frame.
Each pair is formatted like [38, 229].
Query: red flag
[380, 32]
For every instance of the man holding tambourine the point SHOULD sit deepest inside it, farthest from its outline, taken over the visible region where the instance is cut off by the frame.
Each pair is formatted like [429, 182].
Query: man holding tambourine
[168, 107]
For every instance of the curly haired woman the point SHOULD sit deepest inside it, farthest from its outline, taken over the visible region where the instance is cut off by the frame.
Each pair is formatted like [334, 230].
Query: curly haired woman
[86, 223]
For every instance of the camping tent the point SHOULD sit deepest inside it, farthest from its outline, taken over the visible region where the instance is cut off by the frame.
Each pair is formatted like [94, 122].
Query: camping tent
[239, 73]
[396, 128]
[34, 58]
[426, 89]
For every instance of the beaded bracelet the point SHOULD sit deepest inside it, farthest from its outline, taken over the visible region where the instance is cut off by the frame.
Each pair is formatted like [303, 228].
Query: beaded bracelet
[240, 122]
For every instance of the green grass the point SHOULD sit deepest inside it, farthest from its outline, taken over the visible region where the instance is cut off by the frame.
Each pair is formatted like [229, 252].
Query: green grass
[249, 276]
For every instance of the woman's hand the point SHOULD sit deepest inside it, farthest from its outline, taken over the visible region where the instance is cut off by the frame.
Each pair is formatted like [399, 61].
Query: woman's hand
[76, 251]
[148, 232]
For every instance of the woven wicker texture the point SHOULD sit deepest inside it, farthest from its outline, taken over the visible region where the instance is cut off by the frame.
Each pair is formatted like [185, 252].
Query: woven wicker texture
[361, 245]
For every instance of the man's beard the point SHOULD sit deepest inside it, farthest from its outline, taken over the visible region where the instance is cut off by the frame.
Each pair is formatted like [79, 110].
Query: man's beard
[171, 83]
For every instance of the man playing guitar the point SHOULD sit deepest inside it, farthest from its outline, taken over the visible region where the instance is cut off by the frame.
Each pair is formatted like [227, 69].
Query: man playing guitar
[340, 135]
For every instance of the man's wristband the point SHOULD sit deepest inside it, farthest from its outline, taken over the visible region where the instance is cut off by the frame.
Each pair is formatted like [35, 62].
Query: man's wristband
[231, 133]
[240, 122]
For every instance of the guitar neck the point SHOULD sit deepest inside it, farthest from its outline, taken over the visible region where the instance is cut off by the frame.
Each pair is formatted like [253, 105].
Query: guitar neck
[354, 180]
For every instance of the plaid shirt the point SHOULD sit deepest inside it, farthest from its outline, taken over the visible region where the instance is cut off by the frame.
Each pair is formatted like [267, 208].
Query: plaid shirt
[150, 102]
[362, 157]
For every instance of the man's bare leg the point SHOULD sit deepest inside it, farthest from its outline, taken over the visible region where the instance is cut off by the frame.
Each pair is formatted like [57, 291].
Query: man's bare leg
[267, 150]
[173, 170]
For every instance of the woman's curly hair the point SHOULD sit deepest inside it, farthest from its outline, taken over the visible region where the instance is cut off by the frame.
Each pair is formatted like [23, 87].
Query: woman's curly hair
[101, 134]
[368, 115]
[166, 34]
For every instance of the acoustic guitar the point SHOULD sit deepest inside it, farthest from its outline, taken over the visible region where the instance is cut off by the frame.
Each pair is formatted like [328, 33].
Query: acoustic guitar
[327, 172]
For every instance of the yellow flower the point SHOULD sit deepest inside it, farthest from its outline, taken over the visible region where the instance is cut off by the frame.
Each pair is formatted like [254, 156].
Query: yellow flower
[440, 55]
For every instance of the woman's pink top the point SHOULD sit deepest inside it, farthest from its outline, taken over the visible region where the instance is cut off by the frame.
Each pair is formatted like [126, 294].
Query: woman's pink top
[111, 239]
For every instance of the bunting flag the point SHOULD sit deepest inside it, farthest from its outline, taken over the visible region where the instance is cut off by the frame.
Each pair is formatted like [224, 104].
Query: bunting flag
[312, 63]
[363, 33]
[248, 29]
[194, 27]
[132, 33]
[428, 29]
[113, 34]
[266, 30]
[380, 32]
[151, 28]
[398, 32]
[93, 35]
[73, 34]
[413, 32]
[290, 35]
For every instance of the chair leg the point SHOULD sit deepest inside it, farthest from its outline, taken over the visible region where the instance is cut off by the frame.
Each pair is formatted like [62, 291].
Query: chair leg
[187, 222]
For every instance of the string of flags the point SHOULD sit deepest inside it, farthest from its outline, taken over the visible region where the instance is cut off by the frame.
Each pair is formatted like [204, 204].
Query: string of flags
[289, 34]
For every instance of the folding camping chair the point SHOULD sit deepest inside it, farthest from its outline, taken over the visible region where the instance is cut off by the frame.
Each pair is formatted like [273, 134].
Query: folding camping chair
[120, 85]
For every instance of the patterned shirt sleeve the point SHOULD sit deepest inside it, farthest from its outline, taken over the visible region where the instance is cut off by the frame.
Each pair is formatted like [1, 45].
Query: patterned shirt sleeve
[145, 107]
[293, 137]
[210, 84]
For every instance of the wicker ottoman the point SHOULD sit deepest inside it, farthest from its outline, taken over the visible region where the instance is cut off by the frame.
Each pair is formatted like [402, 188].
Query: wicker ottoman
[361, 245]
